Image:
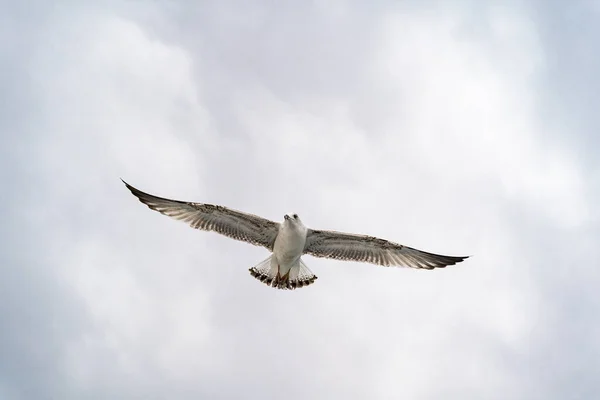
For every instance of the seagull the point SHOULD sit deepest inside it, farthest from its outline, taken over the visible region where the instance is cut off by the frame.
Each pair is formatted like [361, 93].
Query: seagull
[289, 240]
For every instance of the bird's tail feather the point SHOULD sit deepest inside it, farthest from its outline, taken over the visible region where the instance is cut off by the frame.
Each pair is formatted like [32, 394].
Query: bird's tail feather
[267, 272]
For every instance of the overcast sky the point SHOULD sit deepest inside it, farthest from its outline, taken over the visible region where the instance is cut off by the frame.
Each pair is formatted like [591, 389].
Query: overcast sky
[456, 127]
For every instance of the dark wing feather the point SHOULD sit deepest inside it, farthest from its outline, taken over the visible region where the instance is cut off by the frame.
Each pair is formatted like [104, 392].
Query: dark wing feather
[363, 248]
[234, 224]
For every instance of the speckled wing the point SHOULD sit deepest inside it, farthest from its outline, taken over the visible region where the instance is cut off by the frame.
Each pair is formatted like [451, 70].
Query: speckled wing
[362, 248]
[231, 223]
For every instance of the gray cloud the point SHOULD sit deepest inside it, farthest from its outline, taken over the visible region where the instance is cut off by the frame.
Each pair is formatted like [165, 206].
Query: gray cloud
[423, 124]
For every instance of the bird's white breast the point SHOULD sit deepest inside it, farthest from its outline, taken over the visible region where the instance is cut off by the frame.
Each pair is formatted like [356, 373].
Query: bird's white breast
[289, 244]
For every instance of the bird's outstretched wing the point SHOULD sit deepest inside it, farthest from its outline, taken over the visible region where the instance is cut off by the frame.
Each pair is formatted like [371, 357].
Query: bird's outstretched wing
[363, 248]
[234, 224]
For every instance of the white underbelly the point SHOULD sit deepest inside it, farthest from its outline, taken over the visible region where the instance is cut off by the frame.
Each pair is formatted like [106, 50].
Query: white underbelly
[288, 248]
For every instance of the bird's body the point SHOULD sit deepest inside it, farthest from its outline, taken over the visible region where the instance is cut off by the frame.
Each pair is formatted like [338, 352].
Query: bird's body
[289, 244]
[285, 268]
[290, 239]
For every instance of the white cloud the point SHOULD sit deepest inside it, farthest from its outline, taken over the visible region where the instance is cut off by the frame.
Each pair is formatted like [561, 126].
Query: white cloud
[435, 142]
[116, 103]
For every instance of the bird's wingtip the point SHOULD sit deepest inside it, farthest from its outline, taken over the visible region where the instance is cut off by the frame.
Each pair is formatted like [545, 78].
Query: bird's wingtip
[126, 184]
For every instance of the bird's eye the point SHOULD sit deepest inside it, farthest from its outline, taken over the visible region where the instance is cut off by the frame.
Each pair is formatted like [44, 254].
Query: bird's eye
[295, 216]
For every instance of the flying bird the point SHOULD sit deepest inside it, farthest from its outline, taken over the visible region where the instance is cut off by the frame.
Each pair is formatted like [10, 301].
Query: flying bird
[290, 239]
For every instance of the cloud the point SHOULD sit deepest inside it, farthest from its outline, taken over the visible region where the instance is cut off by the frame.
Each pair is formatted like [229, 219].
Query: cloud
[421, 126]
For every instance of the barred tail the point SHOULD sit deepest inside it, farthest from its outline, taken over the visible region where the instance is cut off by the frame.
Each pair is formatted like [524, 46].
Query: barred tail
[267, 271]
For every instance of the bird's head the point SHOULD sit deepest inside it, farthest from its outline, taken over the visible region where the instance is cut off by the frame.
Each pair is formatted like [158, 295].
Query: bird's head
[292, 219]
